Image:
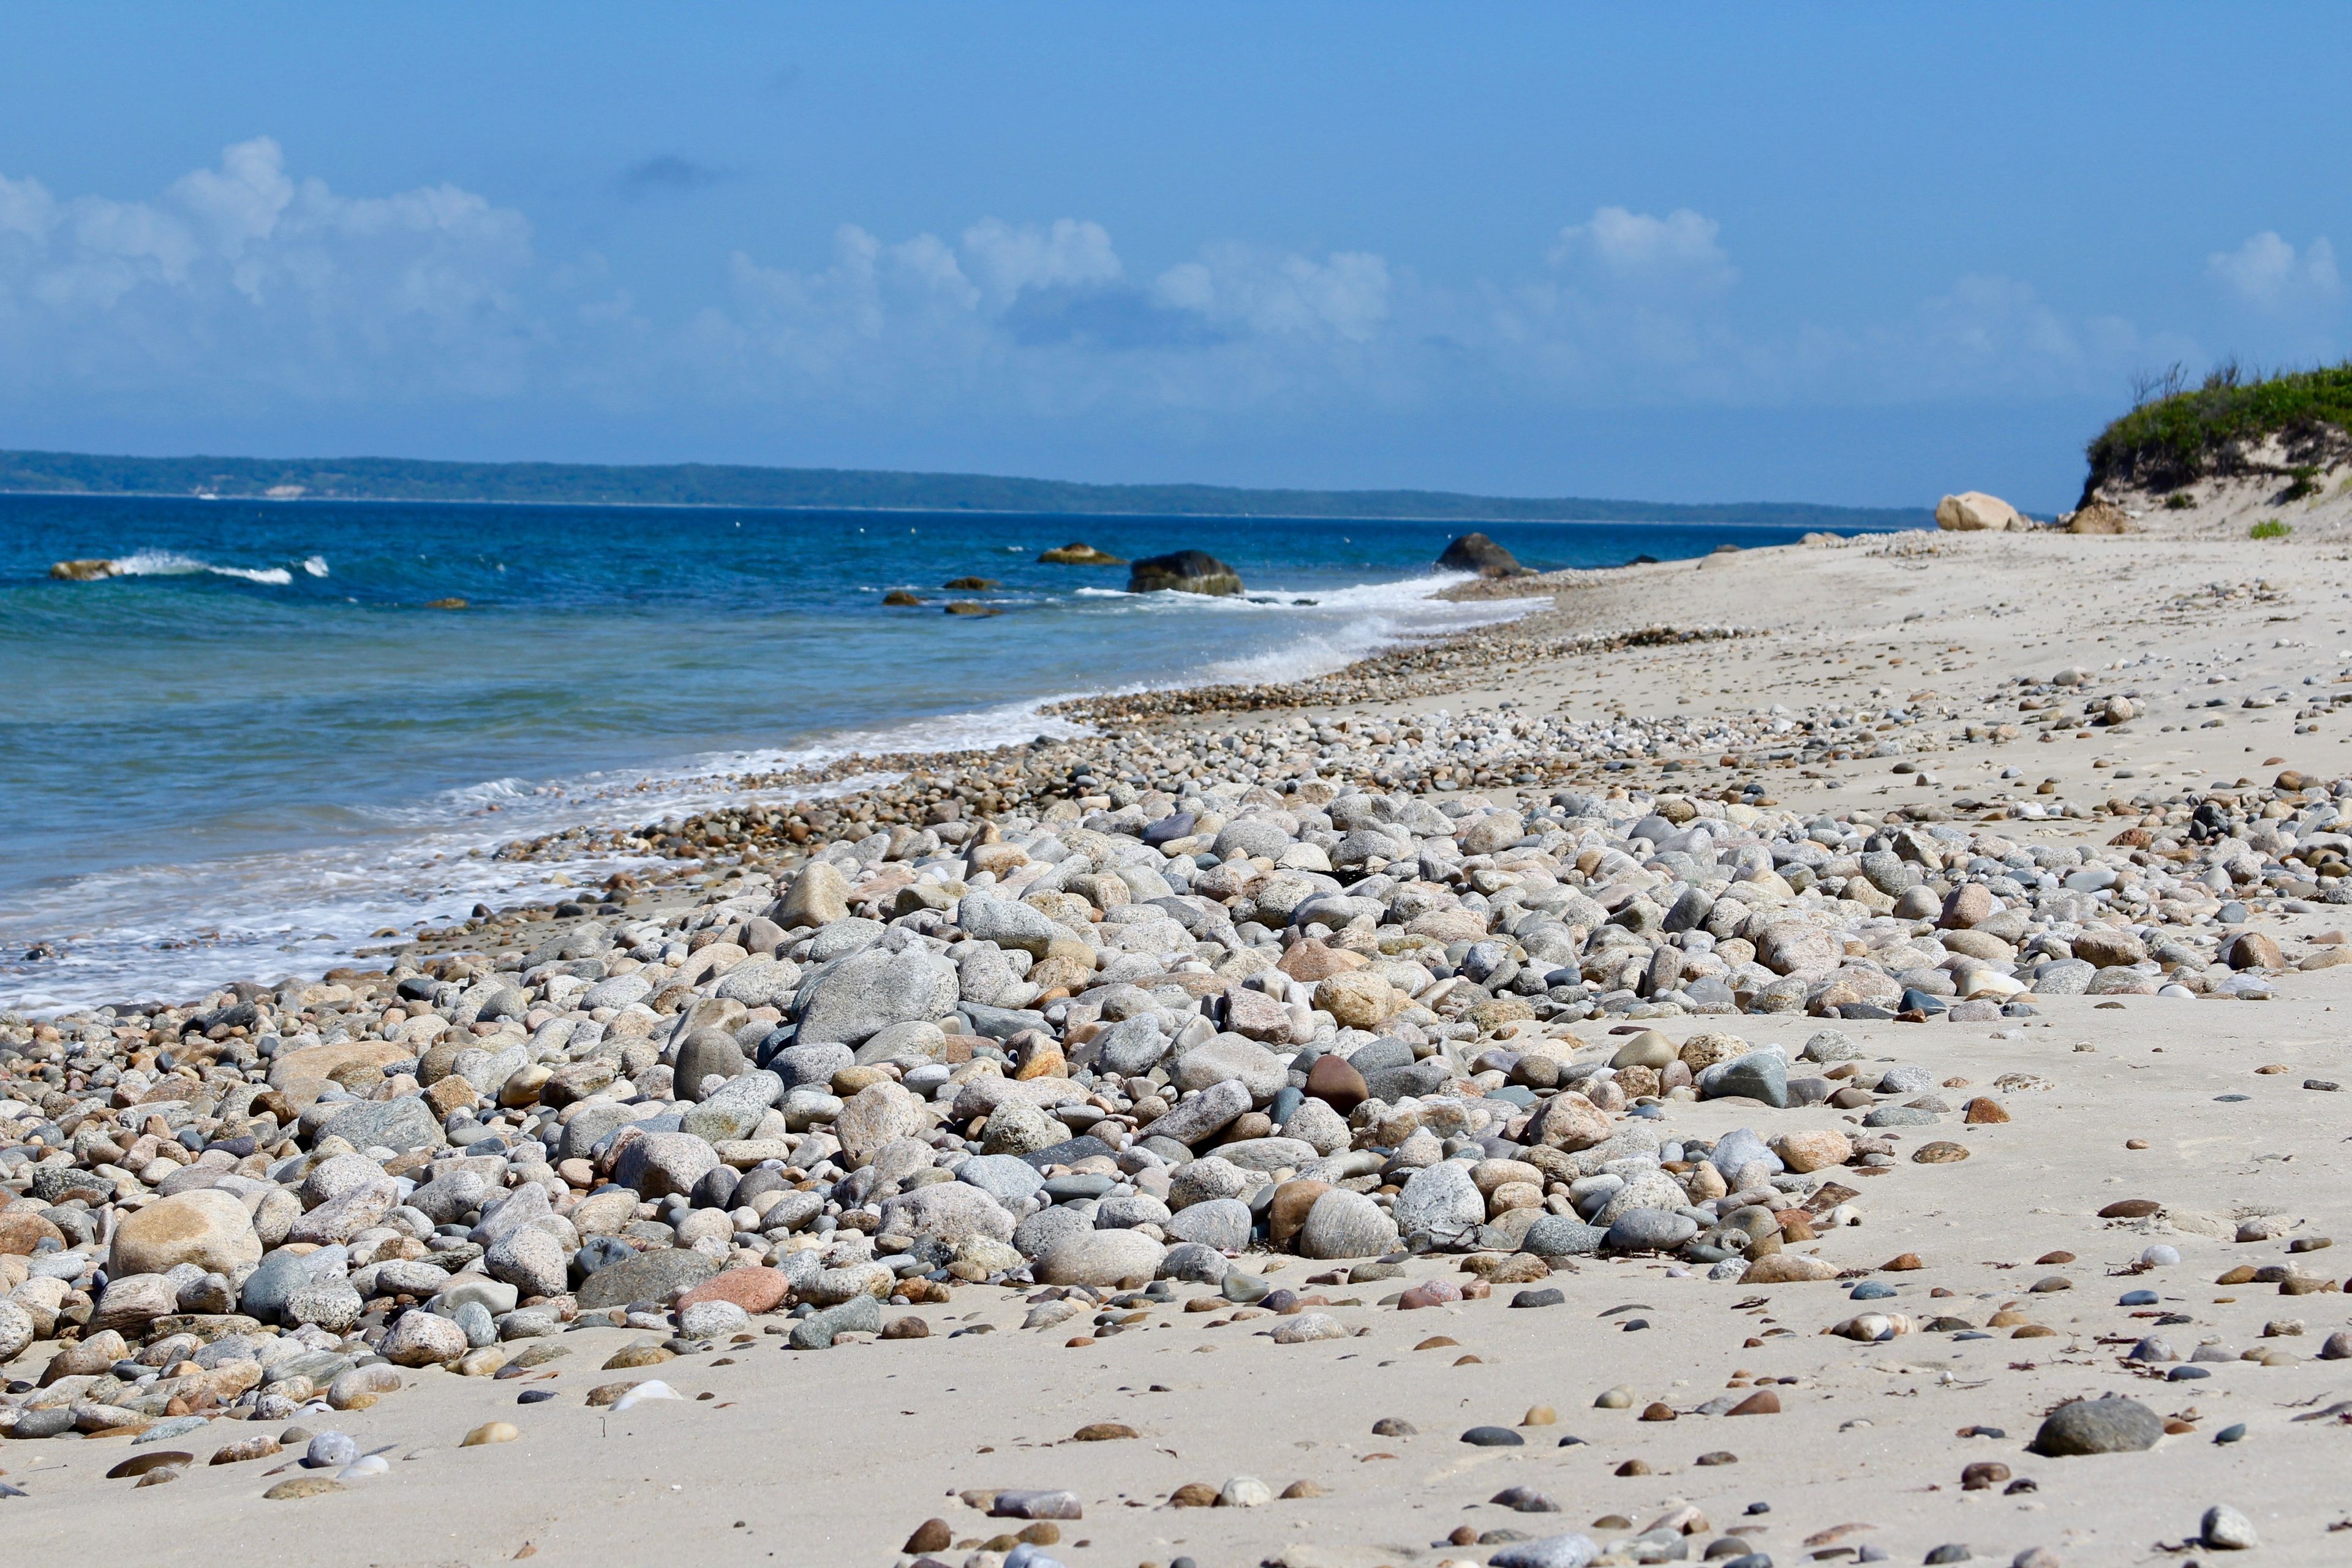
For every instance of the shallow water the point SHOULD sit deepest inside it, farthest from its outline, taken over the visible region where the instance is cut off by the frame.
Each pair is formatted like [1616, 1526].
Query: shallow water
[259, 744]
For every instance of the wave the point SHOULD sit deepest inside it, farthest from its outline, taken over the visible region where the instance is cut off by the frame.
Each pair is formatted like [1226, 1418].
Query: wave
[171, 564]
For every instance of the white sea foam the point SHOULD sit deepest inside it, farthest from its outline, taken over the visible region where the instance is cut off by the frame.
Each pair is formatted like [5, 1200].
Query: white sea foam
[171, 564]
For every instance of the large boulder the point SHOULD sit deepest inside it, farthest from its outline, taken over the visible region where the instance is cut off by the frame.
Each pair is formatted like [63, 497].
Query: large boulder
[818, 897]
[1441, 1202]
[1973, 511]
[1477, 552]
[1182, 572]
[867, 992]
[951, 1211]
[1346, 1224]
[206, 1228]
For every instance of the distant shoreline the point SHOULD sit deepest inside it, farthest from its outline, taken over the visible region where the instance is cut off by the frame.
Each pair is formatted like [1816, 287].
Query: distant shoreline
[59, 475]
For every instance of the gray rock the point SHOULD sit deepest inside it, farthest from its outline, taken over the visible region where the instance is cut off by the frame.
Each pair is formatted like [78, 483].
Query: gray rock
[951, 1211]
[423, 1339]
[705, 1052]
[659, 1165]
[869, 991]
[1130, 1047]
[1041, 1232]
[2063, 977]
[1210, 1112]
[1220, 1223]
[1899, 1116]
[1196, 1263]
[1346, 1224]
[447, 1198]
[1020, 1126]
[2108, 1425]
[399, 1125]
[859, 1314]
[1832, 1046]
[1739, 1149]
[1561, 1235]
[1012, 1183]
[1267, 1154]
[760, 983]
[1102, 1258]
[329, 1302]
[649, 1277]
[734, 1109]
[1650, 1230]
[1570, 1551]
[1758, 1075]
[1259, 1070]
[812, 1065]
[1005, 923]
[1126, 1211]
[1442, 1202]
[2224, 1529]
[529, 1259]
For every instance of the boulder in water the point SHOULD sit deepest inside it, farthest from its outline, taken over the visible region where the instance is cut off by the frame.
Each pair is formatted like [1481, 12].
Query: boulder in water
[1079, 554]
[84, 571]
[1183, 571]
[900, 596]
[1477, 552]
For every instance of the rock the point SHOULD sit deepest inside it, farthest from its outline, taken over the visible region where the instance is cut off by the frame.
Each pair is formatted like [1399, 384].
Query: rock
[649, 1277]
[1346, 1224]
[1758, 1074]
[660, 1165]
[1813, 1150]
[1336, 1082]
[1210, 1112]
[1973, 511]
[1787, 1269]
[1182, 572]
[1108, 1257]
[818, 897]
[419, 1338]
[1561, 1235]
[1257, 1069]
[953, 1212]
[2251, 950]
[735, 1109]
[1442, 1202]
[329, 1302]
[530, 1259]
[877, 1114]
[1649, 1230]
[399, 1125]
[1079, 555]
[1220, 1223]
[206, 1227]
[2107, 1425]
[2224, 1529]
[1570, 1551]
[858, 996]
[859, 1314]
[1477, 552]
[131, 1301]
[1357, 999]
[1308, 1327]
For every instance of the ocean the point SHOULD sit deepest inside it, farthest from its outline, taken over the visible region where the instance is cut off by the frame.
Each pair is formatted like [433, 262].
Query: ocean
[262, 742]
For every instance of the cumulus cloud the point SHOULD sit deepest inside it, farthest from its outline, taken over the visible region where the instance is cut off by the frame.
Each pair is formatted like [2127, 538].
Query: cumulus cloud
[2269, 274]
[1677, 250]
[242, 275]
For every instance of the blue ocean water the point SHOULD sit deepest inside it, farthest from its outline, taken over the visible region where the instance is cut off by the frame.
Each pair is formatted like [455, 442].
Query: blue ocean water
[259, 743]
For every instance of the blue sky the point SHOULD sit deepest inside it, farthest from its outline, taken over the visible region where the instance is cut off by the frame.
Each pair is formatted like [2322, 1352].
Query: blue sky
[1849, 254]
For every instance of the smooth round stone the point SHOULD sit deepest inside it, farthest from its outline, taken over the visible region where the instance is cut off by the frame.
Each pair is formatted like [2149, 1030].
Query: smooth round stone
[1245, 1289]
[1196, 1263]
[1493, 1437]
[2160, 1256]
[2187, 1374]
[2137, 1299]
[712, 1320]
[2109, 1426]
[1870, 1290]
[1650, 1230]
[330, 1450]
[1221, 1222]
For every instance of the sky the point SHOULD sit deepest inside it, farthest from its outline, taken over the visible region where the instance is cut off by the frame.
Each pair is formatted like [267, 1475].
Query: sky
[1849, 254]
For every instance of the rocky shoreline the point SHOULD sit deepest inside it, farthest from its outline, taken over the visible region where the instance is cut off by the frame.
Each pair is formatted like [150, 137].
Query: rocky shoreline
[1450, 1012]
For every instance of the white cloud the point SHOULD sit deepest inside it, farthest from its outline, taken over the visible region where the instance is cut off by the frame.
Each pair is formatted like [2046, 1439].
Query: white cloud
[1072, 254]
[1345, 296]
[1677, 250]
[243, 277]
[2267, 272]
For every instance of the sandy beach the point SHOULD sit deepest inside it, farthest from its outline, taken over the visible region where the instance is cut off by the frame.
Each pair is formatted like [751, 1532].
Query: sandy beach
[2102, 770]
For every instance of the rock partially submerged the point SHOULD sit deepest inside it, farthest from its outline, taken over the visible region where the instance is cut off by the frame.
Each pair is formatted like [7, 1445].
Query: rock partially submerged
[1477, 552]
[1183, 571]
[1079, 554]
[84, 571]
